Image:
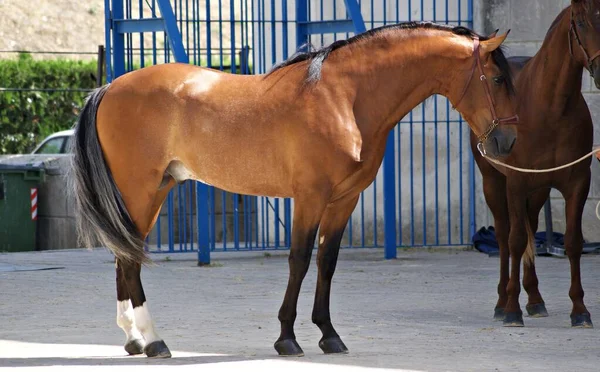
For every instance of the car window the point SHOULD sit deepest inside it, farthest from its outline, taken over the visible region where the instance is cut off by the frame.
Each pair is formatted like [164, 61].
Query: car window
[67, 147]
[52, 146]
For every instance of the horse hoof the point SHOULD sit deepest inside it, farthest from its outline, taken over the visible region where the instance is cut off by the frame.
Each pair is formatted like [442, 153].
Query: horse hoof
[499, 313]
[513, 320]
[135, 347]
[288, 347]
[581, 320]
[333, 345]
[157, 349]
[537, 310]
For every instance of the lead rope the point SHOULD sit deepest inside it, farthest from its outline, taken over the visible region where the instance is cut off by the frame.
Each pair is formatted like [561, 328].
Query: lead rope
[595, 150]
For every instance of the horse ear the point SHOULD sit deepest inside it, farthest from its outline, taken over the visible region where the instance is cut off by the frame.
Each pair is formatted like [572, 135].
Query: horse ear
[488, 46]
[493, 34]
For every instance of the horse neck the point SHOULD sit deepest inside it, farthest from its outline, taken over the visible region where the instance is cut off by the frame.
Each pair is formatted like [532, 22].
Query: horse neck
[554, 76]
[401, 72]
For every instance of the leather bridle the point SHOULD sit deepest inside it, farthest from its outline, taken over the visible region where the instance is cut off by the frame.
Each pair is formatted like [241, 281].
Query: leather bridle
[495, 119]
[573, 32]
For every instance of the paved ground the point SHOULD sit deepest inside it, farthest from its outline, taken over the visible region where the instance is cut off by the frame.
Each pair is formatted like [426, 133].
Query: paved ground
[426, 311]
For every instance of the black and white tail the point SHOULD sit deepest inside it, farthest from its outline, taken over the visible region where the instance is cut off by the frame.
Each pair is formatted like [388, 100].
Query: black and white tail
[100, 211]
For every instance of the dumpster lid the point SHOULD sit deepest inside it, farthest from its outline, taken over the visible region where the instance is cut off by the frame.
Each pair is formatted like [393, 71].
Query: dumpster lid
[22, 167]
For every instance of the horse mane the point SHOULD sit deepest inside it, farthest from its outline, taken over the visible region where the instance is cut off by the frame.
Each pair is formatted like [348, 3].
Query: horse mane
[317, 57]
[557, 20]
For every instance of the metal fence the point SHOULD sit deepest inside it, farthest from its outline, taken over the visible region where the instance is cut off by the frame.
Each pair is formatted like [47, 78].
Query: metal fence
[431, 171]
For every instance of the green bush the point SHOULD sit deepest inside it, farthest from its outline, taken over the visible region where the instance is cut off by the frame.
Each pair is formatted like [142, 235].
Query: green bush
[29, 110]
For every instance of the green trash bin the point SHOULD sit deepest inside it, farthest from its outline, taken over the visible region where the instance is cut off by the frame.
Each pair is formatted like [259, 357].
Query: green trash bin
[19, 185]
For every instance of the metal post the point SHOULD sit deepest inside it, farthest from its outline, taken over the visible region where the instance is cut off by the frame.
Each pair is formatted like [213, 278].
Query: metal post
[389, 198]
[118, 41]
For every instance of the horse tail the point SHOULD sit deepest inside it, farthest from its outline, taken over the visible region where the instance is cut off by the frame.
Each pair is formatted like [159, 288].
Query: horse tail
[529, 256]
[101, 215]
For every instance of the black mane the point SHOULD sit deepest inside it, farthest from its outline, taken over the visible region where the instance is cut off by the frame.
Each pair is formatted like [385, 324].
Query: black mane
[317, 57]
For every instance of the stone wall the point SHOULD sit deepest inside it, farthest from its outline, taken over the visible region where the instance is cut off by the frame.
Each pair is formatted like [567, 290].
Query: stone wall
[529, 21]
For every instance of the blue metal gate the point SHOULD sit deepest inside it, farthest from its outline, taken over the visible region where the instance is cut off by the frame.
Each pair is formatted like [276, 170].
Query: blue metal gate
[423, 187]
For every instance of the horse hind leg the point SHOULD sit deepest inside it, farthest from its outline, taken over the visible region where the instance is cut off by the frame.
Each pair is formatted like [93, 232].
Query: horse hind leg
[134, 343]
[536, 307]
[154, 347]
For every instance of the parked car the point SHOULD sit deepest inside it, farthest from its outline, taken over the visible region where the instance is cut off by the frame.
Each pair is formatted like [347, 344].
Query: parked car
[56, 143]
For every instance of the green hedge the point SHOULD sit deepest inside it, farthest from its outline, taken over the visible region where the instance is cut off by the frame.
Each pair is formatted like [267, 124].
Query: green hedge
[28, 110]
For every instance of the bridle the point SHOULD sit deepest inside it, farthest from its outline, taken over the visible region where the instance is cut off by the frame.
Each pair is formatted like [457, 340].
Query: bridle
[588, 60]
[495, 119]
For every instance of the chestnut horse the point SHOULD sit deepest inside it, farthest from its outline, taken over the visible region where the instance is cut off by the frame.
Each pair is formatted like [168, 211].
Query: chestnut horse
[555, 129]
[313, 129]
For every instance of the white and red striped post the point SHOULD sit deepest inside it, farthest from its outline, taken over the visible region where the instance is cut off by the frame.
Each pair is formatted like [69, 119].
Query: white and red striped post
[34, 193]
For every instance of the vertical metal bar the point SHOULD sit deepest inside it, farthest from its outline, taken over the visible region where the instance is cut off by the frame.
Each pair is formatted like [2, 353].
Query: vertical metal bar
[236, 222]
[208, 36]
[375, 212]
[273, 35]
[301, 18]
[118, 41]
[191, 198]
[108, 34]
[448, 201]
[276, 219]
[412, 182]
[362, 218]
[213, 217]
[460, 177]
[202, 224]
[179, 215]
[170, 219]
[220, 22]
[224, 218]
[262, 215]
[389, 198]
[232, 30]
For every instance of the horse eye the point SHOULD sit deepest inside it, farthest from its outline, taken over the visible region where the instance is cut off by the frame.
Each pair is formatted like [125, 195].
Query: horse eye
[498, 80]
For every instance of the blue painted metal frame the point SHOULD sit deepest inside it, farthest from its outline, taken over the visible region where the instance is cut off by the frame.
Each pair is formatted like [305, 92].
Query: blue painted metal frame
[261, 27]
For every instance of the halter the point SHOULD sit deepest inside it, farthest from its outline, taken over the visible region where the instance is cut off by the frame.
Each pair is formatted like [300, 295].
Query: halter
[588, 60]
[495, 120]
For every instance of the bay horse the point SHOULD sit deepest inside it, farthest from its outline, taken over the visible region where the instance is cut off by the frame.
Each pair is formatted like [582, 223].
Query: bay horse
[314, 128]
[555, 128]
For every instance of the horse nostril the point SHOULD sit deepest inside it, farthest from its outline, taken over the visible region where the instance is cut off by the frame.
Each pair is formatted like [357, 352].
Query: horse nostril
[512, 144]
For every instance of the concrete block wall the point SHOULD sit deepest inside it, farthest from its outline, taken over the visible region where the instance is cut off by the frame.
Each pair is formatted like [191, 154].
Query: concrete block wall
[529, 21]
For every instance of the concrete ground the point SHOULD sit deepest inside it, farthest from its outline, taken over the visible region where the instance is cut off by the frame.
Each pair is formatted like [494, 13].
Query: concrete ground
[425, 311]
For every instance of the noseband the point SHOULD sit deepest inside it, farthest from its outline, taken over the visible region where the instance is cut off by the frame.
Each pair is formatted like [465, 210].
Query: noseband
[588, 60]
[495, 120]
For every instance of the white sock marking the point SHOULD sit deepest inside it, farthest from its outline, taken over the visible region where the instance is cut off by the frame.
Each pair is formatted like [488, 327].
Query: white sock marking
[144, 323]
[126, 320]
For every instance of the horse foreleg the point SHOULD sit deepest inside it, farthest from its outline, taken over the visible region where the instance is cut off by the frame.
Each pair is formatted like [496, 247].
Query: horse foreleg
[517, 241]
[134, 343]
[331, 231]
[494, 190]
[575, 202]
[307, 215]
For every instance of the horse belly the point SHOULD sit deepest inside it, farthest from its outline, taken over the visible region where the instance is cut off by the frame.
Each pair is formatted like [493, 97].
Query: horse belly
[241, 167]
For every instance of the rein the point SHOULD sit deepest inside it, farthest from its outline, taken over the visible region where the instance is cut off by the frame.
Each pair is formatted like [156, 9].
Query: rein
[588, 60]
[495, 119]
